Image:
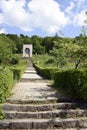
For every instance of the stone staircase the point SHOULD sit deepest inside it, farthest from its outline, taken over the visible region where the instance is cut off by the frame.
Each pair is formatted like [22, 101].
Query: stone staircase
[30, 62]
[44, 116]
[34, 105]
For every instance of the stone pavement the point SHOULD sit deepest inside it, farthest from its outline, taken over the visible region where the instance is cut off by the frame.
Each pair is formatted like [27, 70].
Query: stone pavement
[34, 104]
[36, 88]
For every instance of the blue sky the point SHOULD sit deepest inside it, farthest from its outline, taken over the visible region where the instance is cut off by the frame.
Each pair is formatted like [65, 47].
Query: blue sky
[42, 17]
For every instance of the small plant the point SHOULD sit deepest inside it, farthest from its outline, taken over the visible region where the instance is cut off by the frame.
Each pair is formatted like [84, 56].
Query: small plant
[2, 115]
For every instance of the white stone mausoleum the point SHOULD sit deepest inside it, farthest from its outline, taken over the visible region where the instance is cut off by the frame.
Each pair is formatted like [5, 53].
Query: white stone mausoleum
[27, 50]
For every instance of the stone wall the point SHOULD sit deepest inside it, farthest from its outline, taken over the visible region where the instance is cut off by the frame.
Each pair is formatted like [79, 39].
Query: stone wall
[27, 50]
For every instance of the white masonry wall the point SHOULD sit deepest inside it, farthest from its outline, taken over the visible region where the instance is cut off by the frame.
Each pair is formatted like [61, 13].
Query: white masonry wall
[30, 48]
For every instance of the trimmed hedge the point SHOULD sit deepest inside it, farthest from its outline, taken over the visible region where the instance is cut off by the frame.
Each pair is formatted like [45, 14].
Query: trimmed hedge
[2, 114]
[8, 76]
[6, 82]
[46, 72]
[73, 82]
[16, 73]
[19, 69]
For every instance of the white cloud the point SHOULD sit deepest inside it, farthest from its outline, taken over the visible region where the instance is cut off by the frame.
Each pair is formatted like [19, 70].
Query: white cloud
[79, 18]
[3, 30]
[13, 12]
[1, 18]
[69, 8]
[76, 12]
[43, 14]
[46, 14]
[79, 2]
[80, 5]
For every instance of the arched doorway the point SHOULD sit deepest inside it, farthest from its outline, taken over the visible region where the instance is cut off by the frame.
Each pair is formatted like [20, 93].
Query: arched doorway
[27, 51]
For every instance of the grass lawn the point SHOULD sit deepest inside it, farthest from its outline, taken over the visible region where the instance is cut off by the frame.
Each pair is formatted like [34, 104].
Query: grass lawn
[45, 61]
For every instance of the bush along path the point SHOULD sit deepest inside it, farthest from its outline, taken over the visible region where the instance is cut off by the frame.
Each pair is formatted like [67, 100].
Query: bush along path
[34, 104]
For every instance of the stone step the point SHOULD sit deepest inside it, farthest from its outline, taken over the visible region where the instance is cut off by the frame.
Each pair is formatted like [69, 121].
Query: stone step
[32, 76]
[46, 114]
[30, 72]
[44, 123]
[43, 107]
[49, 129]
[33, 101]
[29, 80]
[35, 80]
[30, 68]
[42, 101]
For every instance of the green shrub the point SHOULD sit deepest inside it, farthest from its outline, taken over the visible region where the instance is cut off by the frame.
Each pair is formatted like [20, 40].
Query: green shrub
[2, 114]
[19, 69]
[6, 82]
[0, 61]
[8, 76]
[14, 60]
[73, 82]
[16, 73]
[46, 72]
[50, 61]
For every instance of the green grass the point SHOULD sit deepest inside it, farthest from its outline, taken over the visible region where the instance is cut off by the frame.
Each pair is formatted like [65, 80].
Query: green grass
[42, 60]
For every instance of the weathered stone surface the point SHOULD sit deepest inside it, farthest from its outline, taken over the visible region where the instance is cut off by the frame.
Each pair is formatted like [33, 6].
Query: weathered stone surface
[4, 124]
[46, 114]
[35, 105]
[38, 107]
[33, 91]
[72, 123]
[46, 123]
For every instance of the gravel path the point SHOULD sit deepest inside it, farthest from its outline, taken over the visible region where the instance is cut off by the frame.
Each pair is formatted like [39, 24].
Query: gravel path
[35, 90]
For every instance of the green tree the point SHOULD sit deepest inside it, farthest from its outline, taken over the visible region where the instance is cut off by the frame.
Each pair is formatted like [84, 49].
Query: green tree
[48, 44]
[5, 49]
[76, 53]
[80, 55]
[17, 42]
[37, 47]
[59, 56]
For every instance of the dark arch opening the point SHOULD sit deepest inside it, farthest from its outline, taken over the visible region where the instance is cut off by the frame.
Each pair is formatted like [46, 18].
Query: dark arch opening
[27, 51]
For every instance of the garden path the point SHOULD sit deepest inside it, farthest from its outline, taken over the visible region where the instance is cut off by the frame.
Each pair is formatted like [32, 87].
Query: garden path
[34, 104]
[33, 87]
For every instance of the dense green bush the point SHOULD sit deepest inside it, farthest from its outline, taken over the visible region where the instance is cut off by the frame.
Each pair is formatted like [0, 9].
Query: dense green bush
[73, 82]
[7, 77]
[18, 69]
[2, 114]
[16, 73]
[14, 60]
[46, 72]
[5, 49]
[6, 81]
